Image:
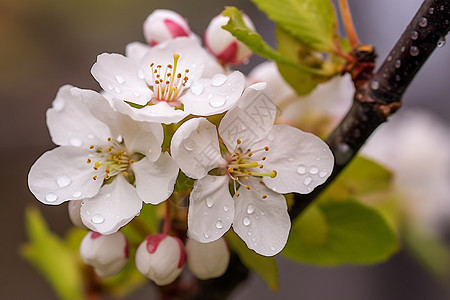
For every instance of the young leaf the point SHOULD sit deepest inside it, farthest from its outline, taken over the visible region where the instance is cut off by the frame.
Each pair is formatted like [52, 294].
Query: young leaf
[311, 21]
[265, 267]
[52, 257]
[333, 233]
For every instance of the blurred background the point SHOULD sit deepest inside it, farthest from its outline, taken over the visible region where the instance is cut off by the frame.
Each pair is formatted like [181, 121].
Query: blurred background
[48, 43]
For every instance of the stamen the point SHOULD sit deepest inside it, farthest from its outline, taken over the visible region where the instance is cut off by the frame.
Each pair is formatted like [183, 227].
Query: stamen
[89, 161]
[264, 196]
[237, 195]
[238, 141]
[108, 139]
[91, 147]
[247, 187]
[95, 177]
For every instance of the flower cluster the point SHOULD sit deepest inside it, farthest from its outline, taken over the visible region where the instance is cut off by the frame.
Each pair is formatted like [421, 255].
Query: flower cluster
[171, 109]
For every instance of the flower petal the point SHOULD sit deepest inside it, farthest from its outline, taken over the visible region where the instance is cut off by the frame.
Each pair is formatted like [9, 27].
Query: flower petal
[302, 160]
[121, 77]
[211, 209]
[252, 118]
[136, 50]
[70, 122]
[155, 180]
[213, 96]
[115, 205]
[263, 224]
[195, 148]
[62, 174]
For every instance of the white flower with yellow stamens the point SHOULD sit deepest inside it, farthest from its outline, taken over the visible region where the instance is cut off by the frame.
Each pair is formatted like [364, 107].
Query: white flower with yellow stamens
[260, 160]
[105, 159]
[172, 80]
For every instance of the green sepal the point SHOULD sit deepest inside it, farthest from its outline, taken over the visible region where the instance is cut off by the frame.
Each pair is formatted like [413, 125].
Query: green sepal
[135, 105]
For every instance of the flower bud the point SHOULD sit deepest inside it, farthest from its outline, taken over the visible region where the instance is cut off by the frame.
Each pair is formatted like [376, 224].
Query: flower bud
[223, 44]
[160, 258]
[108, 254]
[207, 260]
[74, 213]
[164, 24]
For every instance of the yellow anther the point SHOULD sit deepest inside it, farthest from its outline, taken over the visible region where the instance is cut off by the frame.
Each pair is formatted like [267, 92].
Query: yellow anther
[109, 149]
[91, 147]
[131, 161]
[95, 177]
[107, 171]
[266, 148]
[238, 141]
[250, 154]
[151, 65]
[247, 187]
[107, 176]
[261, 166]
[237, 195]
[264, 158]
[186, 71]
[264, 196]
[97, 164]
[125, 173]
[261, 182]
[89, 161]
[169, 66]
[108, 139]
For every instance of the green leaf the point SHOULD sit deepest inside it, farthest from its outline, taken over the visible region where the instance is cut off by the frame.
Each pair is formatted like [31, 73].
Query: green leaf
[333, 233]
[254, 41]
[52, 257]
[265, 267]
[311, 21]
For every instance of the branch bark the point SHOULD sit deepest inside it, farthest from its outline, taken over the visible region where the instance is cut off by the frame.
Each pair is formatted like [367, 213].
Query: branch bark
[381, 96]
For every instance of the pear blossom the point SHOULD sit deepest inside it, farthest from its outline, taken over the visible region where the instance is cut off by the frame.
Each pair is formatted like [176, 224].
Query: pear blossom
[106, 160]
[262, 161]
[172, 80]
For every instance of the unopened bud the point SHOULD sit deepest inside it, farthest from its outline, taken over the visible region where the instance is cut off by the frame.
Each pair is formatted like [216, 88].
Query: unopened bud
[223, 44]
[74, 213]
[108, 254]
[162, 25]
[207, 260]
[160, 258]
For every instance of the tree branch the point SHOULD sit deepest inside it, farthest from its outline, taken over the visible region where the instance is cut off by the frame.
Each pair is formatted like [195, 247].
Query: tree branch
[381, 96]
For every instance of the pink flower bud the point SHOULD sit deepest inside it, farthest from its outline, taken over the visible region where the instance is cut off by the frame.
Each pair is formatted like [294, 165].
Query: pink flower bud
[207, 260]
[160, 258]
[162, 25]
[223, 44]
[108, 254]
[74, 213]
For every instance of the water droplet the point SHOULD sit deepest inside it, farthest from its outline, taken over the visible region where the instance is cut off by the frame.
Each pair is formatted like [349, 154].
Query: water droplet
[374, 85]
[250, 209]
[77, 194]
[291, 158]
[249, 232]
[255, 244]
[218, 79]
[90, 136]
[136, 94]
[63, 180]
[307, 181]
[117, 90]
[82, 203]
[441, 42]
[226, 208]
[217, 101]
[197, 88]
[120, 79]
[246, 221]
[423, 22]
[313, 170]
[209, 202]
[431, 10]
[397, 63]
[272, 248]
[263, 213]
[441, 7]
[414, 35]
[397, 78]
[322, 174]
[271, 137]
[301, 169]
[343, 147]
[389, 58]
[76, 142]
[219, 224]
[141, 74]
[107, 195]
[402, 49]
[207, 236]
[97, 219]
[414, 51]
[189, 144]
[110, 87]
[51, 197]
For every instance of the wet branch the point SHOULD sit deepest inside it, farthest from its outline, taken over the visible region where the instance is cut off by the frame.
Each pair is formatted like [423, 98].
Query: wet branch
[381, 96]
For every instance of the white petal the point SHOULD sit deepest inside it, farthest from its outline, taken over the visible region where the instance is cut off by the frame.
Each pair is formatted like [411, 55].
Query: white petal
[70, 122]
[263, 224]
[136, 50]
[155, 180]
[63, 174]
[252, 118]
[302, 160]
[213, 96]
[195, 148]
[115, 205]
[158, 113]
[211, 209]
[119, 76]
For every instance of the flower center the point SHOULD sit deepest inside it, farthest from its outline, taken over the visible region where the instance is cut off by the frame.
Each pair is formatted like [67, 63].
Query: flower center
[167, 84]
[114, 157]
[244, 164]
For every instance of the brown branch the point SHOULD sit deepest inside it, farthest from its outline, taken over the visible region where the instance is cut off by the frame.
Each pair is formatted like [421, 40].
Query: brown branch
[381, 96]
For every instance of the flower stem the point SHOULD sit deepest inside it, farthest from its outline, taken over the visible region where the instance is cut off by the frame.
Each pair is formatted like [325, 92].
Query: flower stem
[168, 219]
[348, 23]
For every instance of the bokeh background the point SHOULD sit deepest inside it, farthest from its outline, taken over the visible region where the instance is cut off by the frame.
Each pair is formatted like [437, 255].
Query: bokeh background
[47, 43]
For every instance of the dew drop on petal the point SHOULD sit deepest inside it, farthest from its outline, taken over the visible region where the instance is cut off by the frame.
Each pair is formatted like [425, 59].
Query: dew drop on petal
[272, 248]
[271, 137]
[97, 219]
[219, 224]
[117, 90]
[107, 195]
[217, 101]
[246, 221]
[291, 158]
[197, 88]
[249, 232]
[307, 181]
[226, 208]
[90, 136]
[77, 194]
[189, 144]
[209, 202]
[51, 197]
[206, 235]
[218, 79]
[75, 142]
[141, 74]
[313, 170]
[63, 180]
[110, 87]
[120, 79]
[322, 174]
[301, 169]
[250, 209]
[136, 94]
